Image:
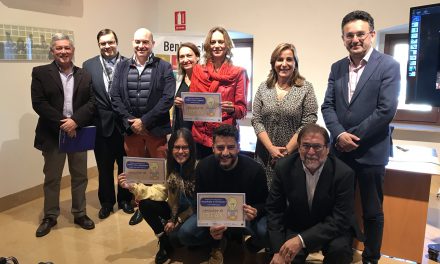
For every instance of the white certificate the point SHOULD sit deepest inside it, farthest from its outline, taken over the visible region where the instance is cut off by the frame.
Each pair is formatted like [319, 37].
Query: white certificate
[220, 209]
[144, 170]
[204, 107]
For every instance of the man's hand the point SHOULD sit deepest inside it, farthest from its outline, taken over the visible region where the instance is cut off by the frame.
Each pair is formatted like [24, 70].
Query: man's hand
[250, 213]
[277, 259]
[136, 125]
[290, 248]
[68, 125]
[228, 107]
[217, 231]
[347, 142]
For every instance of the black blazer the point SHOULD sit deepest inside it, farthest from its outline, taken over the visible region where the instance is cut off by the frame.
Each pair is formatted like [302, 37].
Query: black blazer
[106, 120]
[332, 212]
[48, 99]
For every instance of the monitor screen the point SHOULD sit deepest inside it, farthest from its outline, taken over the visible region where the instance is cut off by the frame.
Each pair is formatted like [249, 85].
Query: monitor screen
[423, 72]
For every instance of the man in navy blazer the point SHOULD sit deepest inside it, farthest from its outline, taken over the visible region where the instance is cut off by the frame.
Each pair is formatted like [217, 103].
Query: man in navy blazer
[109, 144]
[62, 96]
[359, 104]
[310, 205]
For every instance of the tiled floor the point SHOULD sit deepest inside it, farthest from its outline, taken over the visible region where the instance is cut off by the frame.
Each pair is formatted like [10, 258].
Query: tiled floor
[114, 241]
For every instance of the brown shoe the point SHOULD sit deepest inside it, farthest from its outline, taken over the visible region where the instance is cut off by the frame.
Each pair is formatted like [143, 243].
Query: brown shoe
[45, 227]
[84, 222]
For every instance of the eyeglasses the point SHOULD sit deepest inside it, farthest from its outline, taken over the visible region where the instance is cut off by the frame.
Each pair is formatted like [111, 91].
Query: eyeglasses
[316, 147]
[360, 35]
[183, 148]
[110, 43]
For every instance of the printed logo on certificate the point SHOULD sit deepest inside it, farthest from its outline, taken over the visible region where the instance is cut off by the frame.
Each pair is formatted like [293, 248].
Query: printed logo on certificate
[144, 170]
[204, 107]
[220, 209]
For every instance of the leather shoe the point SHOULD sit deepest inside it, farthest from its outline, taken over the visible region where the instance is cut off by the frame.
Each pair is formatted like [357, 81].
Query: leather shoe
[45, 226]
[84, 222]
[136, 218]
[126, 207]
[104, 212]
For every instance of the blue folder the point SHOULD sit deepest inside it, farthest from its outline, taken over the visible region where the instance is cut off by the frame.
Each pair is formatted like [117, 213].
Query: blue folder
[84, 140]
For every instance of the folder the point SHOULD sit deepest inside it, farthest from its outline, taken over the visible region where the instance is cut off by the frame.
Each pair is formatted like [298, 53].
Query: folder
[84, 140]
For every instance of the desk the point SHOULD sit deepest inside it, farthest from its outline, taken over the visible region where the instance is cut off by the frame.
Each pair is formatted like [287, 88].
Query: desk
[406, 196]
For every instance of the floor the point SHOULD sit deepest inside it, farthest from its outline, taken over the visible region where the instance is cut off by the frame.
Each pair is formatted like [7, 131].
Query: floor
[114, 241]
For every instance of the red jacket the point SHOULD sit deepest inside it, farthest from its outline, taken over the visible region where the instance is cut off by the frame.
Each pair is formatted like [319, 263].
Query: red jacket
[232, 82]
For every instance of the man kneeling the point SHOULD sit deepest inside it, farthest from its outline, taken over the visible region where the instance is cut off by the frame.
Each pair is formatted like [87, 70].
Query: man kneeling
[227, 171]
[310, 205]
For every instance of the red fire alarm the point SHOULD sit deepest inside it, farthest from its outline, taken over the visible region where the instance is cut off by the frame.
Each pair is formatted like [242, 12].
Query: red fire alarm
[180, 20]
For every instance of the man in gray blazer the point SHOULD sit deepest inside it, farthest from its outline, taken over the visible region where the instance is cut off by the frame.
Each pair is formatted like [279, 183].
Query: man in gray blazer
[359, 104]
[109, 144]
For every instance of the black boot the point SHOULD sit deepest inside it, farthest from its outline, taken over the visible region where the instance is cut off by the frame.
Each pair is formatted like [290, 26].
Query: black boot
[164, 249]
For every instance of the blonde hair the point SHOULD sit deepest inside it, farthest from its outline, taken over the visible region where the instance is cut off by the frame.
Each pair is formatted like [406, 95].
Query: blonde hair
[228, 42]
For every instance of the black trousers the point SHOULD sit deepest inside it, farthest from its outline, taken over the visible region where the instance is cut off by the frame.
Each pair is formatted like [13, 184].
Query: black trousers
[153, 212]
[370, 179]
[337, 251]
[107, 151]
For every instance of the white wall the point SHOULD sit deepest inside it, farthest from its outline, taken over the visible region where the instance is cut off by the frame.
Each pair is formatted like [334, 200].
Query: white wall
[21, 165]
[313, 26]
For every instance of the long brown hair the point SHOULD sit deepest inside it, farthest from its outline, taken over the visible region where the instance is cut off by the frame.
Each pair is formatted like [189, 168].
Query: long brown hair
[296, 78]
[207, 45]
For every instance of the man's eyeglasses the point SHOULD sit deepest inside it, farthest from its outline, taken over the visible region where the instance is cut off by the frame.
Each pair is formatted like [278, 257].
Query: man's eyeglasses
[316, 147]
[110, 43]
[360, 35]
[183, 148]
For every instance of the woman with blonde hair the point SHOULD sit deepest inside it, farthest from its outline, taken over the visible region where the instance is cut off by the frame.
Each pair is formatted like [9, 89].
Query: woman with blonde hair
[218, 75]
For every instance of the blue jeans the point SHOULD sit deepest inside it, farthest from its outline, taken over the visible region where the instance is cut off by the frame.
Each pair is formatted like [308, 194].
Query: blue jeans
[191, 235]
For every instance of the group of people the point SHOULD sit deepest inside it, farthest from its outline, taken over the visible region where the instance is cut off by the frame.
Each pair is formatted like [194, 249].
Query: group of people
[300, 186]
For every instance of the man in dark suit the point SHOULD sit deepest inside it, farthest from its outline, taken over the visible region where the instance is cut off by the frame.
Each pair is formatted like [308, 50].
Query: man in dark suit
[109, 144]
[63, 98]
[359, 104]
[310, 205]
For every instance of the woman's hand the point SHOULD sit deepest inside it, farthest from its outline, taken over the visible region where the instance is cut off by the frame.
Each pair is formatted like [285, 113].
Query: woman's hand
[178, 102]
[170, 226]
[277, 152]
[122, 180]
[228, 107]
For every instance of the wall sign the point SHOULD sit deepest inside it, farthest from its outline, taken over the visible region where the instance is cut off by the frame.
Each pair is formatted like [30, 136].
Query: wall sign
[180, 20]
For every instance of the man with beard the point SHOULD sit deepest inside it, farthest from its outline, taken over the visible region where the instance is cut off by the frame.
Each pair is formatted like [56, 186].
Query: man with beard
[227, 171]
[310, 205]
[359, 104]
[142, 94]
[109, 144]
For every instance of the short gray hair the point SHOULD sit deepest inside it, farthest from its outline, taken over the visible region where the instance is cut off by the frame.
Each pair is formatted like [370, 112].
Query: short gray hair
[60, 36]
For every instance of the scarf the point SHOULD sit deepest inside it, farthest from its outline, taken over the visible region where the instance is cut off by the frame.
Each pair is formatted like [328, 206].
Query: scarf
[206, 79]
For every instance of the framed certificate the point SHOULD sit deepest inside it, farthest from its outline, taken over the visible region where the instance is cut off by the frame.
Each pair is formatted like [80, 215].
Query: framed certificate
[220, 209]
[204, 107]
[144, 170]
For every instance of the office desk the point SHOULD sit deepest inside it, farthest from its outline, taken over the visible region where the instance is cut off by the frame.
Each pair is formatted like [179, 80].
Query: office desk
[406, 196]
